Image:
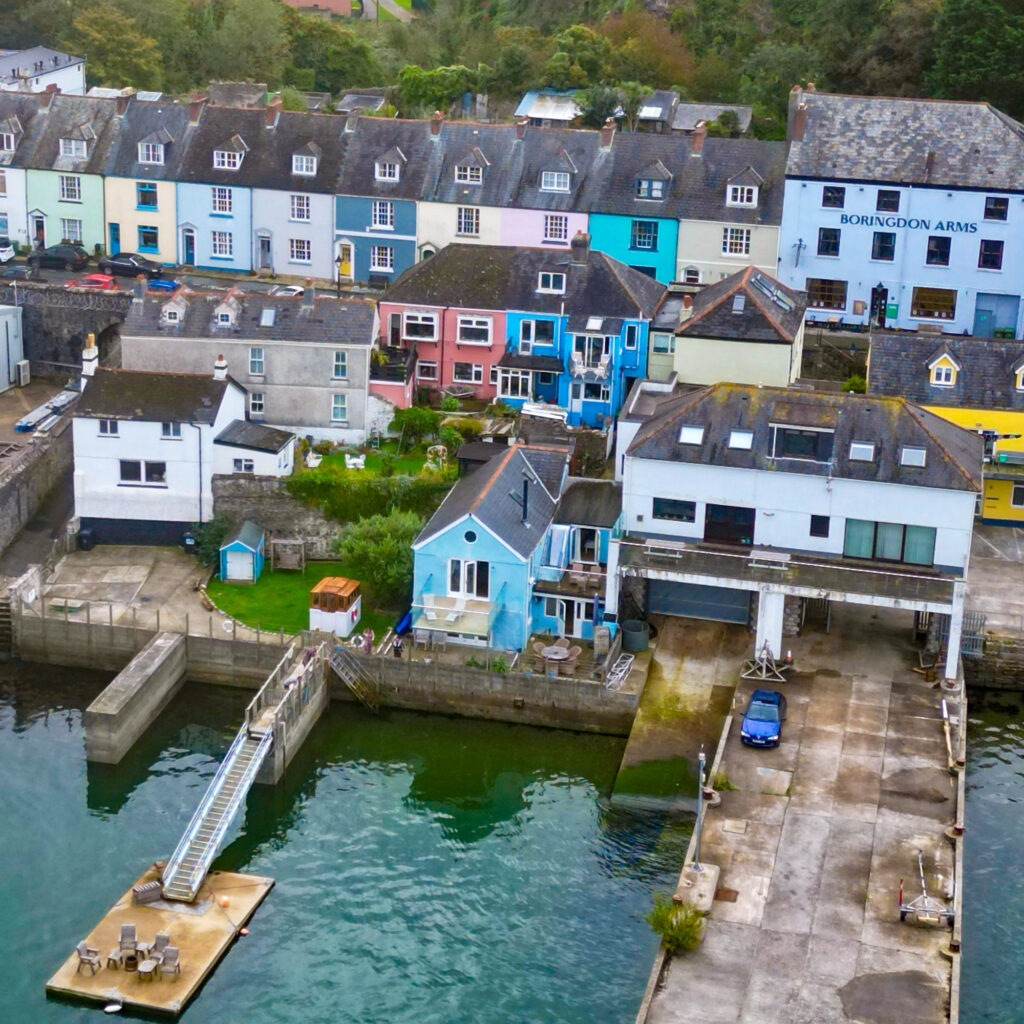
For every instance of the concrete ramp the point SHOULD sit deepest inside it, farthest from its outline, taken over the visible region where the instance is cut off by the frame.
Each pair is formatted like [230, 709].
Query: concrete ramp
[131, 703]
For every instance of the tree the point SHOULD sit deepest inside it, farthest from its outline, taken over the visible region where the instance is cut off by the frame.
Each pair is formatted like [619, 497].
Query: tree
[380, 546]
[251, 43]
[439, 89]
[119, 53]
[338, 59]
[770, 73]
[292, 99]
[725, 126]
[416, 424]
[632, 96]
[598, 103]
[586, 50]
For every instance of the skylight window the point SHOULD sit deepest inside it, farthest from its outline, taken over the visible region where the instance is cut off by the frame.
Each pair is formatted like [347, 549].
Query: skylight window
[741, 439]
[913, 457]
[268, 316]
[862, 451]
[594, 323]
[691, 435]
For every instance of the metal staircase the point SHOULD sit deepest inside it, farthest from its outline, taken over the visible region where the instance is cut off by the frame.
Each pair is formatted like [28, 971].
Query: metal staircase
[348, 669]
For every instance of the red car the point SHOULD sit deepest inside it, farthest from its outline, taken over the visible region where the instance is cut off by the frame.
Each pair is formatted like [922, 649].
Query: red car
[99, 281]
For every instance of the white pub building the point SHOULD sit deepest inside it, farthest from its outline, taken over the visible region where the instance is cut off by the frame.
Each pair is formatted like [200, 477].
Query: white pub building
[905, 213]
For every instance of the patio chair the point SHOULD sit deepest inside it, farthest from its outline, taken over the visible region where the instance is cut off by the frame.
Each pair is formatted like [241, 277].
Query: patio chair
[170, 963]
[154, 950]
[429, 611]
[129, 940]
[87, 957]
[568, 667]
[313, 459]
[561, 642]
[458, 608]
[421, 638]
[439, 638]
[355, 461]
[538, 647]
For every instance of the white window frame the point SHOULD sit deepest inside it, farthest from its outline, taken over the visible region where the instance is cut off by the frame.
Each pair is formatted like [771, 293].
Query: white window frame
[521, 379]
[862, 451]
[631, 336]
[170, 431]
[551, 283]
[382, 215]
[467, 579]
[300, 207]
[473, 323]
[300, 250]
[70, 188]
[476, 373]
[426, 369]
[221, 200]
[151, 153]
[382, 259]
[222, 245]
[467, 221]
[257, 361]
[71, 229]
[339, 369]
[304, 165]
[108, 428]
[742, 196]
[77, 148]
[735, 241]
[943, 375]
[556, 228]
[339, 407]
[741, 440]
[171, 316]
[257, 403]
[691, 275]
[227, 160]
[909, 454]
[650, 188]
[385, 170]
[419, 320]
[6, 142]
[555, 181]
[468, 174]
[243, 465]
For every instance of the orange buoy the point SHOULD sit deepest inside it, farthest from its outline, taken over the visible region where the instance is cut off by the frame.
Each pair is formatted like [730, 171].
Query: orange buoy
[225, 902]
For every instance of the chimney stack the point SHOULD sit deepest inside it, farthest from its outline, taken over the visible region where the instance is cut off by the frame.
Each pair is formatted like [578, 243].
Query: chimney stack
[521, 127]
[46, 97]
[435, 124]
[123, 100]
[579, 249]
[687, 311]
[272, 111]
[90, 358]
[607, 133]
[220, 367]
[308, 295]
[140, 288]
[700, 133]
[195, 106]
[799, 125]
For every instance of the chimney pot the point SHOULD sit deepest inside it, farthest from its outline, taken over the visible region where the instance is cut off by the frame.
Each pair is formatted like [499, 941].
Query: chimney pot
[46, 97]
[435, 123]
[195, 107]
[700, 133]
[308, 294]
[220, 367]
[580, 249]
[521, 127]
[123, 100]
[607, 133]
[90, 357]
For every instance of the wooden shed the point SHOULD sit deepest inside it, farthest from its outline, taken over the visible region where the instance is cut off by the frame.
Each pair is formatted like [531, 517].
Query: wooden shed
[242, 554]
[335, 605]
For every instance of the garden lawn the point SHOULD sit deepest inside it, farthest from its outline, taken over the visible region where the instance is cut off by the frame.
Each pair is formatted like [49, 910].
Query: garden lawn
[408, 465]
[280, 600]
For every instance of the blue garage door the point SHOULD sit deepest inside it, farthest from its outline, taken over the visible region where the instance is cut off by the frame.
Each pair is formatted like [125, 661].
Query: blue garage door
[693, 601]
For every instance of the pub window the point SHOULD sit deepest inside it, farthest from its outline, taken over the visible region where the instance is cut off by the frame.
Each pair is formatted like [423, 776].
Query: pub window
[996, 207]
[825, 294]
[833, 196]
[933, 303]
[990, 254]
[828, 241]
[887, 201]
[883, 246]
[938, 251]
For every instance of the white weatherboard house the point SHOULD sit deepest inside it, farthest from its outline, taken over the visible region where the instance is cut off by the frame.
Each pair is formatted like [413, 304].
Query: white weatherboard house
[147, 446]
[733, 491]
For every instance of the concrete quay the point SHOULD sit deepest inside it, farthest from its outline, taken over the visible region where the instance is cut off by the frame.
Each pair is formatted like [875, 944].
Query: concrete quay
[812, 844]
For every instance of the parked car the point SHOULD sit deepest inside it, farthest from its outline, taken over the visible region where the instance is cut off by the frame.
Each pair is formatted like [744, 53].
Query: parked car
[6, 250]
[63, 257]
[164, 284]
[102, 282]
[130, 264]
[21, 272]
[762, 721]
[287, 289]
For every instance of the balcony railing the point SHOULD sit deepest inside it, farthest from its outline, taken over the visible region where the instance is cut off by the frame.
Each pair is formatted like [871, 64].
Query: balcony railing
[397, 367]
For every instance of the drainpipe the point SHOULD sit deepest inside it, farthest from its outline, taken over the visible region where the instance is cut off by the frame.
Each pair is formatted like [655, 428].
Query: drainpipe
[199, 448]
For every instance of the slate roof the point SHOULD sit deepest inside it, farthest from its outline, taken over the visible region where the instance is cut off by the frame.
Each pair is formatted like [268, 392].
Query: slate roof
[153, 397]
[493, 493]
[23, 108]
[986, 379]
[771, 312]
[347, 321]
[504, 277]
[70, 117]
[248, 534]
[257, 437]
[12, 60]
[953, 461]
[658, 106]
[372, 139]
[698, 189]
[907, 141]
[688, 115]
[162, 121]
[587, 502]
[489, 146]
[555, 149]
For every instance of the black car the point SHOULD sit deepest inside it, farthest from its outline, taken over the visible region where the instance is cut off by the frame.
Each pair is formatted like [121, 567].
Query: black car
[20, 272]
[130, 264]
[64, 257]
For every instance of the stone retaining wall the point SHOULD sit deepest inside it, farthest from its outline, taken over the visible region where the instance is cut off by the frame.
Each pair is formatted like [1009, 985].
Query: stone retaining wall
[1001, 667]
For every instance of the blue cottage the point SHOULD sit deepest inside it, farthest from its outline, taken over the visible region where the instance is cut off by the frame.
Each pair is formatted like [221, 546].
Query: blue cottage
[242, 554]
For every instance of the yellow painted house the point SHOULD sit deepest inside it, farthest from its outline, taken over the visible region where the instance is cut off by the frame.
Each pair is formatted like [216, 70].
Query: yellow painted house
[977, 383]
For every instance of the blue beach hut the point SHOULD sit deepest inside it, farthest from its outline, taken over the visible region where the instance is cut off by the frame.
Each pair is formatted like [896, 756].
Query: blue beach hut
[242, 554]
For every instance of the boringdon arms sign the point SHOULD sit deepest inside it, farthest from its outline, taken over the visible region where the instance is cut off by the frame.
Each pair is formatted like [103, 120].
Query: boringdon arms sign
[870, 220]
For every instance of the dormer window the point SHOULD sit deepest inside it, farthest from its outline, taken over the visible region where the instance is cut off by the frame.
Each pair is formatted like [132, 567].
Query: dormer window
[555, 181]
[943, 373]
[74, 147]
[151, 153]
[650, 188]
[469, 175]
[172, 316]
[386, 171]
[741, 195]
[551, 283]
[304, 165]
[227, 160]
[224, 319]
[6, 142]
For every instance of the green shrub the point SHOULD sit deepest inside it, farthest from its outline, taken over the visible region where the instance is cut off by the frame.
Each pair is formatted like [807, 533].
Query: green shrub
[470, 429]
[499, 665]
[856, 383]
[388, 462]
[679, 926]
[381, 546]
[209, 537]
[449, 404]
[416, 424]
[451, 439]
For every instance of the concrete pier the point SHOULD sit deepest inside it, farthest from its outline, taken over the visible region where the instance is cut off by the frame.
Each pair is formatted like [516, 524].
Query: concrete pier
[137, 695]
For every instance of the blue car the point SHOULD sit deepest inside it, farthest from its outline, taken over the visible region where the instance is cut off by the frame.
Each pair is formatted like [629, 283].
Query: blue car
[762, 721]
[163, 284]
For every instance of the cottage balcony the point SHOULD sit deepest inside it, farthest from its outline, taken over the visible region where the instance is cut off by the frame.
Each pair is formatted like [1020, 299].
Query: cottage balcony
[589, 367]
[578, 579]
[461, 619]
[392, 365]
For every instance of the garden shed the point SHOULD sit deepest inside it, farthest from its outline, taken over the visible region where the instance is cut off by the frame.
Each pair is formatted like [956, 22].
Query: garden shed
[242, 554]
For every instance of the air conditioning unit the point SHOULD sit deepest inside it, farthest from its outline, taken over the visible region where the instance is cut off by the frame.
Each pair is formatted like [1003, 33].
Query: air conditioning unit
[24, 373]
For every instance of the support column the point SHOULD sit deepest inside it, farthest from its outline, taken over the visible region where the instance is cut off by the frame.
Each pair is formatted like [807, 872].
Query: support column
[771, 609]
[956, 626]
[611, 586]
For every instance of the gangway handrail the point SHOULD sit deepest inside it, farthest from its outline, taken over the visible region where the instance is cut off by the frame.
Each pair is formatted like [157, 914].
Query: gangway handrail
[258, 703]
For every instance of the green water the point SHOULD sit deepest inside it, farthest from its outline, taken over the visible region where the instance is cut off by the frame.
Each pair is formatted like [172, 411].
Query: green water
[429, 870]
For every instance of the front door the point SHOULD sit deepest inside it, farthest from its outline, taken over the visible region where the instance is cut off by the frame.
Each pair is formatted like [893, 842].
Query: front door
[265, 260]
[115, 239]
[345, 261]
[188, 247]
[729, 524]
[39, 230]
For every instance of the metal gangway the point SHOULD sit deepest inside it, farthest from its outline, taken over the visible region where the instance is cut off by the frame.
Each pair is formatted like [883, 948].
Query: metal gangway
[291, 685]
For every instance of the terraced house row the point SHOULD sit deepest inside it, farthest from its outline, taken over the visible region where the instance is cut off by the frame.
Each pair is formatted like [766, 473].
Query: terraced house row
[364, 198]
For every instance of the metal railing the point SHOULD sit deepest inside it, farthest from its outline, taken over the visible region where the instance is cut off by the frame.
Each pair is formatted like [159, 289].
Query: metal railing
[272, 690]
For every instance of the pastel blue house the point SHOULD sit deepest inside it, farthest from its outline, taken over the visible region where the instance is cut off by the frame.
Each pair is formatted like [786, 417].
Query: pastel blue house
[215, 226]
[476, 559]
[646, 243]
[243, 553]
[568, 595]
[374, 236]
